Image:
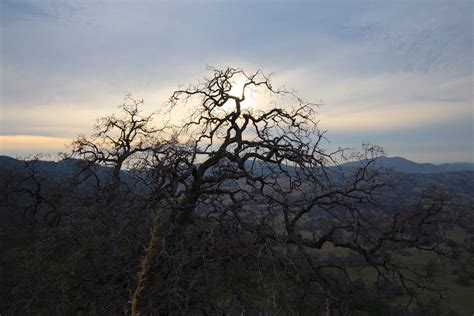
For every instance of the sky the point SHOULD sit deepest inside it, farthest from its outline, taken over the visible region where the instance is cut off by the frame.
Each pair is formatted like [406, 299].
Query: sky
[398, 74]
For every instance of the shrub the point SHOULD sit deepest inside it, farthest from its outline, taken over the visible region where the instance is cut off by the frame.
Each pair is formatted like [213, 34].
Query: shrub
[463, 279]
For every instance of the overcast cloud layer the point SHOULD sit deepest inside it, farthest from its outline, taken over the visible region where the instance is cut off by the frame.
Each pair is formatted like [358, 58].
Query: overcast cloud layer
[399, 74]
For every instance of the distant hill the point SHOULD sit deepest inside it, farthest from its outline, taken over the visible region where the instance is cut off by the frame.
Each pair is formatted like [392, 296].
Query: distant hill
[49, 169]
[400, 164]
[407, 179]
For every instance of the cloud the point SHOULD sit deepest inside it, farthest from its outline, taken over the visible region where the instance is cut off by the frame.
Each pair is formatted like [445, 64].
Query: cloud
[406, 99]
[377, 67]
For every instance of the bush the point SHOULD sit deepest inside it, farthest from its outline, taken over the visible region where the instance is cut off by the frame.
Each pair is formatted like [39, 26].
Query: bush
[431, 268]
[405, 253]
[463, 280]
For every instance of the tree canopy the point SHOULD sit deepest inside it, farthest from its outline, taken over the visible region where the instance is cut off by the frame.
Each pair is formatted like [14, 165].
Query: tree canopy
[233, 209]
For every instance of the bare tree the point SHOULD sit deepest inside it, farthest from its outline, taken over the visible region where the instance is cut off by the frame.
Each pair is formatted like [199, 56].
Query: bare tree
[242, 200]
[261, 172]
[116, 139]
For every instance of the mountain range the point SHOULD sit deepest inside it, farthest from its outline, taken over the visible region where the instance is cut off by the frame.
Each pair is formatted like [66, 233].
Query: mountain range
[400, 164]
[397, 164]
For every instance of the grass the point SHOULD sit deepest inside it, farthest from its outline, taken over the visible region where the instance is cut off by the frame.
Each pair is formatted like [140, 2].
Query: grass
[459, 298]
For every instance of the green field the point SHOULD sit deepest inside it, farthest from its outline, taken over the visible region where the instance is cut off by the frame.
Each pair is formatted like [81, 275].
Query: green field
[457, 297]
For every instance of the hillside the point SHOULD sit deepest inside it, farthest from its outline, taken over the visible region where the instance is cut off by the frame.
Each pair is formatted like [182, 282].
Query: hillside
[400, 164]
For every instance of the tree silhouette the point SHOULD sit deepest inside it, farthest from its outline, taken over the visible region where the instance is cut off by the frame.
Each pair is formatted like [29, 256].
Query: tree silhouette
[234, 209]
[116, 139]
